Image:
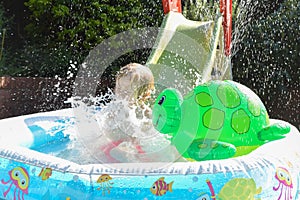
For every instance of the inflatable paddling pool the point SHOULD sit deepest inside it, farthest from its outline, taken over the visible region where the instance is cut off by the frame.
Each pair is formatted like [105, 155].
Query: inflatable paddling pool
[29, 169]
[32, 165]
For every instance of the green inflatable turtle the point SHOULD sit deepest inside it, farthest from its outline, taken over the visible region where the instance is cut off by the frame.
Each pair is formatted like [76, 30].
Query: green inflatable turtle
[216, 120]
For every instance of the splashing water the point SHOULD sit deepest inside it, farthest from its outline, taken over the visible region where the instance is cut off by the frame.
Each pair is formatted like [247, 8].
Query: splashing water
[124, 133]
[265, 54]
[112, 130]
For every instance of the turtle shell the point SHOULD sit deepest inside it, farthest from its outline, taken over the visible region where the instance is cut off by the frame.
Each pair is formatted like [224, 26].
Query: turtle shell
[239, 189]
[229, 112]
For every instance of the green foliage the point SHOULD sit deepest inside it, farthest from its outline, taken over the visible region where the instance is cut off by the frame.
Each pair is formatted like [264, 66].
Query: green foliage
[200, 10]
[62, 31]
[40, 60]
[203, 10]
[84, 24]
[269, 54]
[79, 23]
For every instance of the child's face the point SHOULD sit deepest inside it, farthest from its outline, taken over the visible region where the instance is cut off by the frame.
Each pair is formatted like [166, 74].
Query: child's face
[135, 82]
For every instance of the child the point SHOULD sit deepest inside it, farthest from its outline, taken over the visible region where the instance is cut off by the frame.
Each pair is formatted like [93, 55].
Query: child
[134, 83]
[130, 136]
[127, 117]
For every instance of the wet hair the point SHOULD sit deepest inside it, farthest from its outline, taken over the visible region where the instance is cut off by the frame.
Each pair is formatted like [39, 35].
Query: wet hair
[134, 82]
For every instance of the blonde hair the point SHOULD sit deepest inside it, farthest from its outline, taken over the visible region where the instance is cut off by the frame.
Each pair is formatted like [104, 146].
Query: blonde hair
[134, 82]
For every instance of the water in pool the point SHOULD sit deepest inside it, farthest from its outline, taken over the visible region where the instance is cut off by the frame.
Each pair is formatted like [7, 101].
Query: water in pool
[103, 134]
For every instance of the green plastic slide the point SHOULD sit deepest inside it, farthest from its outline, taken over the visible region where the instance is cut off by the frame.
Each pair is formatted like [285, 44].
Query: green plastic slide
[190, 52]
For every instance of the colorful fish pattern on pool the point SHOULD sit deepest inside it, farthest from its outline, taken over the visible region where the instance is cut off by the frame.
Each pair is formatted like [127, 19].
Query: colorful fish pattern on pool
[45, 173]
[160, 187]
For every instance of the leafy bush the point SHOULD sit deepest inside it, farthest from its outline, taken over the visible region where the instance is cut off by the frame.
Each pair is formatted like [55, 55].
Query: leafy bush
[79, 23]
[269, 53]
[62, 31]
[200, 10]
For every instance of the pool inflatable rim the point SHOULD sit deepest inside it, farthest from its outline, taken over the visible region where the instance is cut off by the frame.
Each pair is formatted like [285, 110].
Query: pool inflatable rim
[257, 158]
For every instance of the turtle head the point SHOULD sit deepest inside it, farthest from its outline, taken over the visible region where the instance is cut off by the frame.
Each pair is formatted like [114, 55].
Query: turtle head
[166, 113]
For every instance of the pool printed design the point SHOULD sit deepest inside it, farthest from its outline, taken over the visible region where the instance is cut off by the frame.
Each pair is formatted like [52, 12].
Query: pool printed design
[21, 181]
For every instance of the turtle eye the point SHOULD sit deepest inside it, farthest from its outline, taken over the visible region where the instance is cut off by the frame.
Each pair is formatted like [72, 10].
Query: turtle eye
[162, 99]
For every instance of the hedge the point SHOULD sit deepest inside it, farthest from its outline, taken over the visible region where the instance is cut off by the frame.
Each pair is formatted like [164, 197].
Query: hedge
[60, 32]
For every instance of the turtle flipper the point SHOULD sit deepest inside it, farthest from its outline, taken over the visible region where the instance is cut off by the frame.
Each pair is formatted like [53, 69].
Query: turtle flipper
[207, 149]
[275, 131]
